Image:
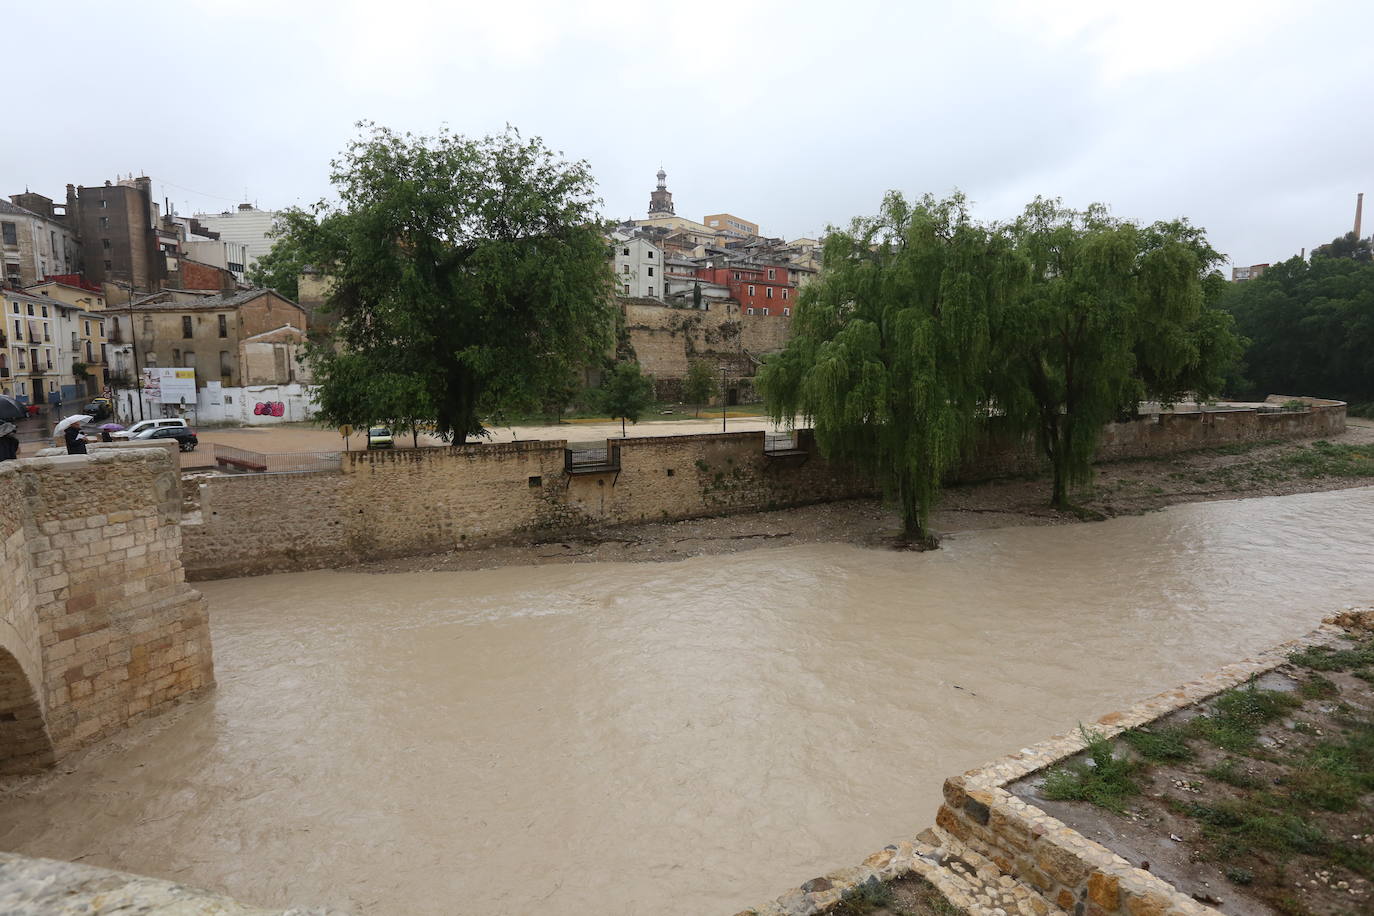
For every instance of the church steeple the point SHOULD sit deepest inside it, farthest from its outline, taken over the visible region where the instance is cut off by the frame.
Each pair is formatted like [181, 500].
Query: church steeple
[661, 200]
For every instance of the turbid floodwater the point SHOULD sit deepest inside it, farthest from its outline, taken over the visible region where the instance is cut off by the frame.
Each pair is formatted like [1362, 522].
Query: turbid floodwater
[685, 737]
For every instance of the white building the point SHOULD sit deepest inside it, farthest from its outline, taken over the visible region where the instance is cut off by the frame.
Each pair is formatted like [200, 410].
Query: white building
[35, 245]
[639, 268]
[247, 226]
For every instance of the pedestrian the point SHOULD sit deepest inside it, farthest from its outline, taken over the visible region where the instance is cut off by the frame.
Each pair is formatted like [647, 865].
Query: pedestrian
[76, 445]
[105, 436]
[9, 442]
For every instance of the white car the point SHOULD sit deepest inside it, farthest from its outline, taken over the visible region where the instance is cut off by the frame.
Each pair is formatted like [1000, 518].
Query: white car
[143, 426]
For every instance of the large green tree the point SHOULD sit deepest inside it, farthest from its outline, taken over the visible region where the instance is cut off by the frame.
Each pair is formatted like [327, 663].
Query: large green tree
[1311, 326]
[1114, 312]
[699, 384]
[473, 267]
[281, 268]
[889, 355]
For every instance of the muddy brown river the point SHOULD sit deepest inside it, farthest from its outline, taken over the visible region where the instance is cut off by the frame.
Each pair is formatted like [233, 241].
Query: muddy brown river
[682, 737]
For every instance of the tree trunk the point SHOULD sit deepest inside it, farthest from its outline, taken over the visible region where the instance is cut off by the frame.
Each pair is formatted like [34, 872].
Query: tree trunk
[1060, 499]
[622, 427]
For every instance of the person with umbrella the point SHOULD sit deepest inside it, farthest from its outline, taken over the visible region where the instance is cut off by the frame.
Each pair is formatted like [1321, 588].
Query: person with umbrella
[70, 428]
[10, 409]
[9, 441]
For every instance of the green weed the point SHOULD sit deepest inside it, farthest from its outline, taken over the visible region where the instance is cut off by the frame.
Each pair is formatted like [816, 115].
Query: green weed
[1160, 744]
[1325, 658]
[1105, 779]
[1238, 714]
[1230, 772]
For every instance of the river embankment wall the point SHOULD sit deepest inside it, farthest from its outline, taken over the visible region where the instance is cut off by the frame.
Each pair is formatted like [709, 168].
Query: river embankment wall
[406, 502]
[98, 627]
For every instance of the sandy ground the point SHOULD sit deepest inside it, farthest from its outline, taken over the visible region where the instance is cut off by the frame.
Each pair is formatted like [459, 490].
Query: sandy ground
[1119, 488]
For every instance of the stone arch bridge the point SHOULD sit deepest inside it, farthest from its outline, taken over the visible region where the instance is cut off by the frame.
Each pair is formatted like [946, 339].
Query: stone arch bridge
[98, 628]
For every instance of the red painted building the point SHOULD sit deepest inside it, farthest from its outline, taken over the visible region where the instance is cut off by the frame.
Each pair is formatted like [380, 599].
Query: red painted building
[759, 290]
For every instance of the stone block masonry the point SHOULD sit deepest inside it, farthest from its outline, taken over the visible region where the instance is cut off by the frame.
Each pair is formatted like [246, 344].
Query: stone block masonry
[98, 628]
[415, 501]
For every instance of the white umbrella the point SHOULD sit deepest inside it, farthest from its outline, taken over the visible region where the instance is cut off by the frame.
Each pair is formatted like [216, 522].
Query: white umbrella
[68, 421]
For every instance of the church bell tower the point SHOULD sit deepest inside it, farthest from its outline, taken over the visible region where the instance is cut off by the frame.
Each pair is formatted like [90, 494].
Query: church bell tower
[661, 200]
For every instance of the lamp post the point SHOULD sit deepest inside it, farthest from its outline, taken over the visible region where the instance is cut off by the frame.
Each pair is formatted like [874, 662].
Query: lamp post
[724, 399]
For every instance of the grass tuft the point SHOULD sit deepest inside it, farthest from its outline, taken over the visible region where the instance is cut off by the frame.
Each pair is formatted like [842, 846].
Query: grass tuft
[1104, 779]
[1160, 744]
[1238, 714]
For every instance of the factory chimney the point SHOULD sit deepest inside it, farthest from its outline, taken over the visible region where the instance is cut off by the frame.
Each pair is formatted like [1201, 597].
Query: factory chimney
[1359, 211]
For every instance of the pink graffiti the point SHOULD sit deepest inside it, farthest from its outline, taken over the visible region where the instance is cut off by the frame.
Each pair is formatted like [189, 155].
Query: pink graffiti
[269, 409]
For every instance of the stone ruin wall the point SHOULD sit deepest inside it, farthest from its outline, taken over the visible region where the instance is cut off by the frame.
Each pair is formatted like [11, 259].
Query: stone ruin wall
[666, 339]
[431, 500]
[98, 628]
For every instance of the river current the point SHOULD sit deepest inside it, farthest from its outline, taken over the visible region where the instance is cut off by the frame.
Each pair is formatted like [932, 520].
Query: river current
[687, 737]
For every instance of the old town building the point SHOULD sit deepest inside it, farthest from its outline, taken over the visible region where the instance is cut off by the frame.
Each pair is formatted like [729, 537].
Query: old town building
[35, 240]
[83, 329]
[118, 227]
[213, 335]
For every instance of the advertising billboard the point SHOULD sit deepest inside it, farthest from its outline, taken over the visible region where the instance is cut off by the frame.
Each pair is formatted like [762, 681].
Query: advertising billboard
[170, 385]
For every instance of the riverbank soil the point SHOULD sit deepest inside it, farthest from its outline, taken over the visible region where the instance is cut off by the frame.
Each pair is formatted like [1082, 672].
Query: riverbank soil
[1259, 801]
[1118, 488]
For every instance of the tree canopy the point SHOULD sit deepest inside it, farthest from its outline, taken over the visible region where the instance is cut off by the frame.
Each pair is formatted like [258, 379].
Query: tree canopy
[925, 325]
[473, 269]
[1113, 313]
[1311, 326]
[626, 393]
[699, 384]
[889, 355]
[281, 268]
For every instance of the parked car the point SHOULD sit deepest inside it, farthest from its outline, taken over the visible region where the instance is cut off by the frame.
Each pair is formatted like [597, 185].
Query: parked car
[99, 409]
[185, 436]
[379, 437]
[142, 426]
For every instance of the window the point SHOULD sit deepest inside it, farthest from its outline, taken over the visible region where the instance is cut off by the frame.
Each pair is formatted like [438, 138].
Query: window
[18, 328]
[786, 312]
[88, 328]
[47, 357]
[768, 292]
[772, 274]
[105, 244]
[108, 265]
[651, 271]
[651, 292]
[223, 326]
[784, 293]
[651, 254]
[749, 311]
[45, 311]
[186, 327]
[627, 289]
[104, 205]
[11, 233]
[625, 268]
[104, 222]
[30, 308]
[45, 333]
[751, 290]
[736, 275]
[626, 252]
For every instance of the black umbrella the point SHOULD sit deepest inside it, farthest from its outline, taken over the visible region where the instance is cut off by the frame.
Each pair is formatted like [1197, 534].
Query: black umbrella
[10, 409]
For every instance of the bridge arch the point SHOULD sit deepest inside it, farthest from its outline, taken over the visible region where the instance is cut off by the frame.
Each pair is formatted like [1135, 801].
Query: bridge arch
[25, 746]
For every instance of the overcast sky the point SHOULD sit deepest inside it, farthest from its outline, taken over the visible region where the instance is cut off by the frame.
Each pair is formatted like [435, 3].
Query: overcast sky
[1255, 119]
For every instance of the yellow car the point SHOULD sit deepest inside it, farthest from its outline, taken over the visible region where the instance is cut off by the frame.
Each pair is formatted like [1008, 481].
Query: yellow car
[379, 437]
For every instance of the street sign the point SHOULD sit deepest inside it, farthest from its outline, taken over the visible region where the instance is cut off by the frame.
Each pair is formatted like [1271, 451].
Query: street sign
[345, 430]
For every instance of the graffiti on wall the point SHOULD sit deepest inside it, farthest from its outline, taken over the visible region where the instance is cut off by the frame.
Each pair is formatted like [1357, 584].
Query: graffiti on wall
[269, 409]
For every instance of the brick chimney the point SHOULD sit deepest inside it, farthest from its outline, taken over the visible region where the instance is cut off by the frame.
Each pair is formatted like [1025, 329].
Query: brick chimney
[1359, 212]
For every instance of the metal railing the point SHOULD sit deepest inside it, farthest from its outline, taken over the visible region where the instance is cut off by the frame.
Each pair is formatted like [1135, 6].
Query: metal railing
[587, 460]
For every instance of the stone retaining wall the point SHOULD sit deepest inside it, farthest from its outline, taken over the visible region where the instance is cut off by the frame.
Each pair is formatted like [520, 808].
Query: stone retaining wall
[415, 501]
[991, 853]
[98, 628]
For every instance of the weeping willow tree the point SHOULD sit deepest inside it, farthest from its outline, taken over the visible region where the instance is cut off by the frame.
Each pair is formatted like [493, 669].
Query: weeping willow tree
[889, 356]
[1114, 312]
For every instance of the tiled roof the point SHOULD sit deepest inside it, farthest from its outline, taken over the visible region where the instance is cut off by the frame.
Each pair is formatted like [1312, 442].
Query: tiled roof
[13, 209]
